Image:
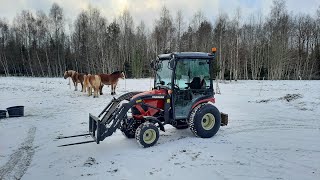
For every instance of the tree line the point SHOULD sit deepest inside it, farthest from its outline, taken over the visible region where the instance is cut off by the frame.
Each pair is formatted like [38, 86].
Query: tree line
[281, 45]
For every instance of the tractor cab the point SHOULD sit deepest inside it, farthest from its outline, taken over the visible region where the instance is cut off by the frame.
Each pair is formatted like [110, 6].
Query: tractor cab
[187, 76]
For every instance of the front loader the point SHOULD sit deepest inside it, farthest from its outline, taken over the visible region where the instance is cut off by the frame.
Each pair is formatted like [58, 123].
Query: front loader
[183, 96]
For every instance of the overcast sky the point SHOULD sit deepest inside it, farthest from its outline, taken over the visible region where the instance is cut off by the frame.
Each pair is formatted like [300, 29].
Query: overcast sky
[148, 10]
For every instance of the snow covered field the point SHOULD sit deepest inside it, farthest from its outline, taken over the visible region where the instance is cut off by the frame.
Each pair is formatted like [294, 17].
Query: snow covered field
[271, 135]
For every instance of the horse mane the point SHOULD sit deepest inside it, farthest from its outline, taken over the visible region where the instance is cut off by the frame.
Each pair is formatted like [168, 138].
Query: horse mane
[70, 70]
[117, 72]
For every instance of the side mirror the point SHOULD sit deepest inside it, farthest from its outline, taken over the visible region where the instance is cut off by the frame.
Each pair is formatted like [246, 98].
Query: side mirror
[155, 65]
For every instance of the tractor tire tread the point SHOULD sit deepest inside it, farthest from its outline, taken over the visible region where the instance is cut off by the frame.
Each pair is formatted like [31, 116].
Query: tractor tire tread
[194, 124]
[141, 129]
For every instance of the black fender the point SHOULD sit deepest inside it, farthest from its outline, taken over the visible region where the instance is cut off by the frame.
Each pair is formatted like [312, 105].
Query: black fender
[202, 100]
[155, 120]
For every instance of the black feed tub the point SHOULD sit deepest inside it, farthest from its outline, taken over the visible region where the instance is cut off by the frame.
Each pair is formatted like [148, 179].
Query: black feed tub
[16, 111]
[3, 114]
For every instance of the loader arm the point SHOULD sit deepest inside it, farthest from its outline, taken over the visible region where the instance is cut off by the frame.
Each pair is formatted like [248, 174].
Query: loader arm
[112, 115]
[109, 120]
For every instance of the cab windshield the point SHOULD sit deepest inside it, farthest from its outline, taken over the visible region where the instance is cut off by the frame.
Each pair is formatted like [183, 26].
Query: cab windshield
[163, 74]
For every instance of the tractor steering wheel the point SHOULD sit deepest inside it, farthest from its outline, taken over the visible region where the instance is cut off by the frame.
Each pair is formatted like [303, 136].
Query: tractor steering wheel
[175, 86]
[163, 87]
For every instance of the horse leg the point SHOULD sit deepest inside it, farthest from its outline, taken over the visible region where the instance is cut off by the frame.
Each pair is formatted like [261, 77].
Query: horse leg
[101, 86]
[81, 86]
[96, 91]
[69, 81]
[111, 89]
[75, 86]
[114, 88]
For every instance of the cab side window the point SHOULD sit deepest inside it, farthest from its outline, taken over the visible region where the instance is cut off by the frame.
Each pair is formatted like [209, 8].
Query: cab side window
[192, 74]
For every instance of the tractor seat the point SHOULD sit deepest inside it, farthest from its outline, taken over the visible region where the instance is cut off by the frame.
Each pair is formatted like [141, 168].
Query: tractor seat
[195, 83]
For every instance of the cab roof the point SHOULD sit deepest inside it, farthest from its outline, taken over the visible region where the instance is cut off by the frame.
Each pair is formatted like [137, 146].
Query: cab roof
[186, 55]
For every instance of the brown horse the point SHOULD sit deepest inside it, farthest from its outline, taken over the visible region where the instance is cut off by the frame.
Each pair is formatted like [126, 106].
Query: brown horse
[92, 82]
[76, 78]
[111, 79]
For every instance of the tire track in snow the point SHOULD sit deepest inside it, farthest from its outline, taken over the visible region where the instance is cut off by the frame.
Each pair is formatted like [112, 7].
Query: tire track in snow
[19, 160]
[247, 130]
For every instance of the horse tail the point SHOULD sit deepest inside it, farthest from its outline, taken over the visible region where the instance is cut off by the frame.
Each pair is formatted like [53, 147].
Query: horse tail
[99, 80]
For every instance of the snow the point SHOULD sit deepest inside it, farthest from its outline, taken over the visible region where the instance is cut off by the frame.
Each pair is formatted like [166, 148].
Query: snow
[267, 137]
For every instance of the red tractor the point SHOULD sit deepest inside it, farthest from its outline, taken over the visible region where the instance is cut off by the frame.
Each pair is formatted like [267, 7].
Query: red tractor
[183, 96]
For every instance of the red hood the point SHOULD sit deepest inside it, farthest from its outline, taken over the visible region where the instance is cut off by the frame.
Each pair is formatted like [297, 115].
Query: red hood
[155, 91]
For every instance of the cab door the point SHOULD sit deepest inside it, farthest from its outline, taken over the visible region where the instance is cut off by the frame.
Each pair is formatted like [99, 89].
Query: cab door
[191, 83]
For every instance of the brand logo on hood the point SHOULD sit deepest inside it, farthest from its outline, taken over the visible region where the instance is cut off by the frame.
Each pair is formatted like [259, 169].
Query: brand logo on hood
[158, 97]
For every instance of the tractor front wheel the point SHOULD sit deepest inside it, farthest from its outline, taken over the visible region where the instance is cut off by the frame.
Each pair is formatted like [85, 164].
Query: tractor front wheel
[128, 130]
[147, 134]
[205, 120]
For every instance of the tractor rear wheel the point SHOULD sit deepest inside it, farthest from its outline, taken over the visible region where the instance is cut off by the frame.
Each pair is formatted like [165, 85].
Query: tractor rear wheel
[205, 120]
[147, 134]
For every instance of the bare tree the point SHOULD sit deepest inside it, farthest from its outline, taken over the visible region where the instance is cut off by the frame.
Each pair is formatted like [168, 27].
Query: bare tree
[57, 26]
[179, 29]
[4, 35]
[219, 33]
[164, 32]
